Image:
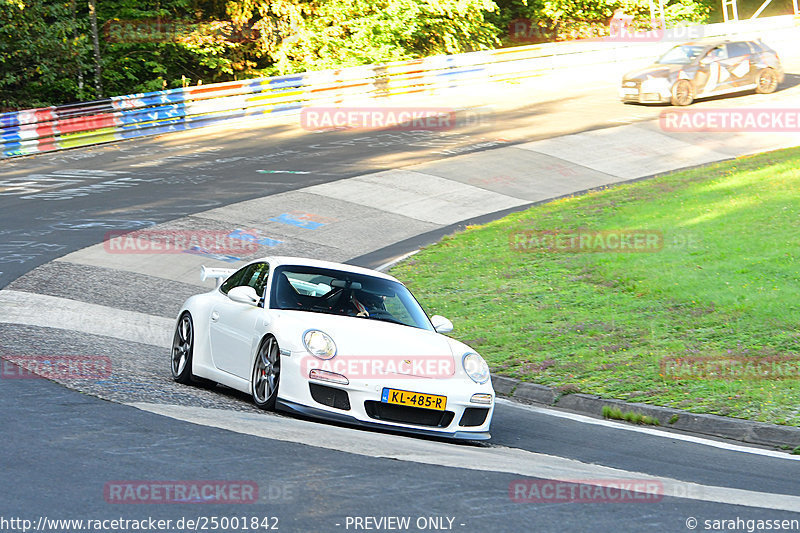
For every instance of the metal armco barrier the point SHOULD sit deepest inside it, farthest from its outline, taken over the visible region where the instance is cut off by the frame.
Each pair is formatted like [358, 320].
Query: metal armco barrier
[125, 117]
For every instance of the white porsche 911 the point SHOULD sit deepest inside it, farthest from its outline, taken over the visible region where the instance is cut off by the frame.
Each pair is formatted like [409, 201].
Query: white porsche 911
[333, 341]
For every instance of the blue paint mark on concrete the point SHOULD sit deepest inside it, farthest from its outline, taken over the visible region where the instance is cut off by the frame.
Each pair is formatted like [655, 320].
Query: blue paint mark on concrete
[300, 222]
[197, 250]
[252, 236]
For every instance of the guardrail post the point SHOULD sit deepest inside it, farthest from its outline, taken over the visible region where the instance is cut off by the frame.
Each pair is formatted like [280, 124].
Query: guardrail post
[734, 10]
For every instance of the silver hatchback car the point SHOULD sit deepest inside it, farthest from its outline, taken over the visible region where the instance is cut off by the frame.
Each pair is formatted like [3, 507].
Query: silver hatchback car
[700, 69]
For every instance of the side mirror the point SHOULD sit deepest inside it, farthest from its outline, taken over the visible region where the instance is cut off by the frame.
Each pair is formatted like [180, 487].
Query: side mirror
[244, 294]
[441, 324]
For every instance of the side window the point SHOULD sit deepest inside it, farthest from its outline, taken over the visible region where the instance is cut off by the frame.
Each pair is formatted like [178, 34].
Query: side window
[717, 53]
[258, 278]
[240, 277]
[738, 49]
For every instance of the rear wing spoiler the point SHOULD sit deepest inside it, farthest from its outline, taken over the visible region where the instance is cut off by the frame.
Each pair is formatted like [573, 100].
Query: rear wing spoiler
[219, 274]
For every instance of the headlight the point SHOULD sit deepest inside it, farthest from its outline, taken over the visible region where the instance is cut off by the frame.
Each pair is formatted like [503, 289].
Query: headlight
[475, 367]
[319, 344]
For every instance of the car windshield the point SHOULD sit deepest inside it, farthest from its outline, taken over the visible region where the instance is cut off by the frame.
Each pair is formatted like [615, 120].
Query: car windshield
[321, 290]
[681, 55]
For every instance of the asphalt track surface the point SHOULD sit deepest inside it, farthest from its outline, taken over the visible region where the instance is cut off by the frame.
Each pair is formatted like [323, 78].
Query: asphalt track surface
[58, 469]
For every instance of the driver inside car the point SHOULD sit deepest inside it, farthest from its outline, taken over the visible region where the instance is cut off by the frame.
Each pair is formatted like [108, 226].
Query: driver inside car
[364, 302]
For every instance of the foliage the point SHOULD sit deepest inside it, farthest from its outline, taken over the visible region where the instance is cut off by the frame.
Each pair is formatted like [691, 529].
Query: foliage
[302, 35]
[46, 51]
[148, 45]
[580, 19]
[615, 413]
[47, 54]
[43, 51]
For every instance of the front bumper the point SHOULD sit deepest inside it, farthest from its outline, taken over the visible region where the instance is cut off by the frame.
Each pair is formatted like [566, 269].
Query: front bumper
[781, 74]
[646, 95]
[341, 416]
[359, 402]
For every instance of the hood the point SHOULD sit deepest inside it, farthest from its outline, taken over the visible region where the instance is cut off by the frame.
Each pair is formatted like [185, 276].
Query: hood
[394, 348]
[363, 336]
[653, 71]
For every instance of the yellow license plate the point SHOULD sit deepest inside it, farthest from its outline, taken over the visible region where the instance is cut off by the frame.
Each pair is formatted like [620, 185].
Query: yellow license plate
[414, 399]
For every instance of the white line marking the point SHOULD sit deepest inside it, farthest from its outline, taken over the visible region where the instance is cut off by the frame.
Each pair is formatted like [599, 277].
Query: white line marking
[496, 459]
[33, 309]
[650, 431]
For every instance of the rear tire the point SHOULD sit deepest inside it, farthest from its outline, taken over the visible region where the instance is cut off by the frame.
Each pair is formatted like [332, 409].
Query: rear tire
[682, 93]
[767, 81]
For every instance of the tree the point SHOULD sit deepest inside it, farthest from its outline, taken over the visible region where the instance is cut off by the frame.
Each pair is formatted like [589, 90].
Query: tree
[48, 47]
[42, 51]
[98, 71]
[298, 35]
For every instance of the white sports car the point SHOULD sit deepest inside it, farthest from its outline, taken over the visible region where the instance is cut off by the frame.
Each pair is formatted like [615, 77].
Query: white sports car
[333, 341]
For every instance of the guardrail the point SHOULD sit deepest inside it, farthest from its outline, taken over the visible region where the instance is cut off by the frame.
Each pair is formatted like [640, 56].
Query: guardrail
[124, 117]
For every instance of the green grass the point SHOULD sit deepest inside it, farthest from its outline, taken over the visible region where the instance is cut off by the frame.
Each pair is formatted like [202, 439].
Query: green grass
[727, 282]
[629, 416]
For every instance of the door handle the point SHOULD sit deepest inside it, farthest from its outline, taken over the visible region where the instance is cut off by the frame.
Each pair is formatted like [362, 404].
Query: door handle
[214, 316]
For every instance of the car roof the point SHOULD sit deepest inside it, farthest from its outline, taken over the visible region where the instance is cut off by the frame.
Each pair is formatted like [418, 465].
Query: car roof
[707, 42]
[716, 41]
[282, 260]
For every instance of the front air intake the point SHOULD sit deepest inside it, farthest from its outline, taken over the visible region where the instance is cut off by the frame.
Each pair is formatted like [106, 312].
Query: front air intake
[330, 396]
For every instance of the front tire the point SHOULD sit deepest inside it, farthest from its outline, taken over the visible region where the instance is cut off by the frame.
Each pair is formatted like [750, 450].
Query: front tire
[182, 350]
[767, 81]
[682, 93]
[266, 376]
